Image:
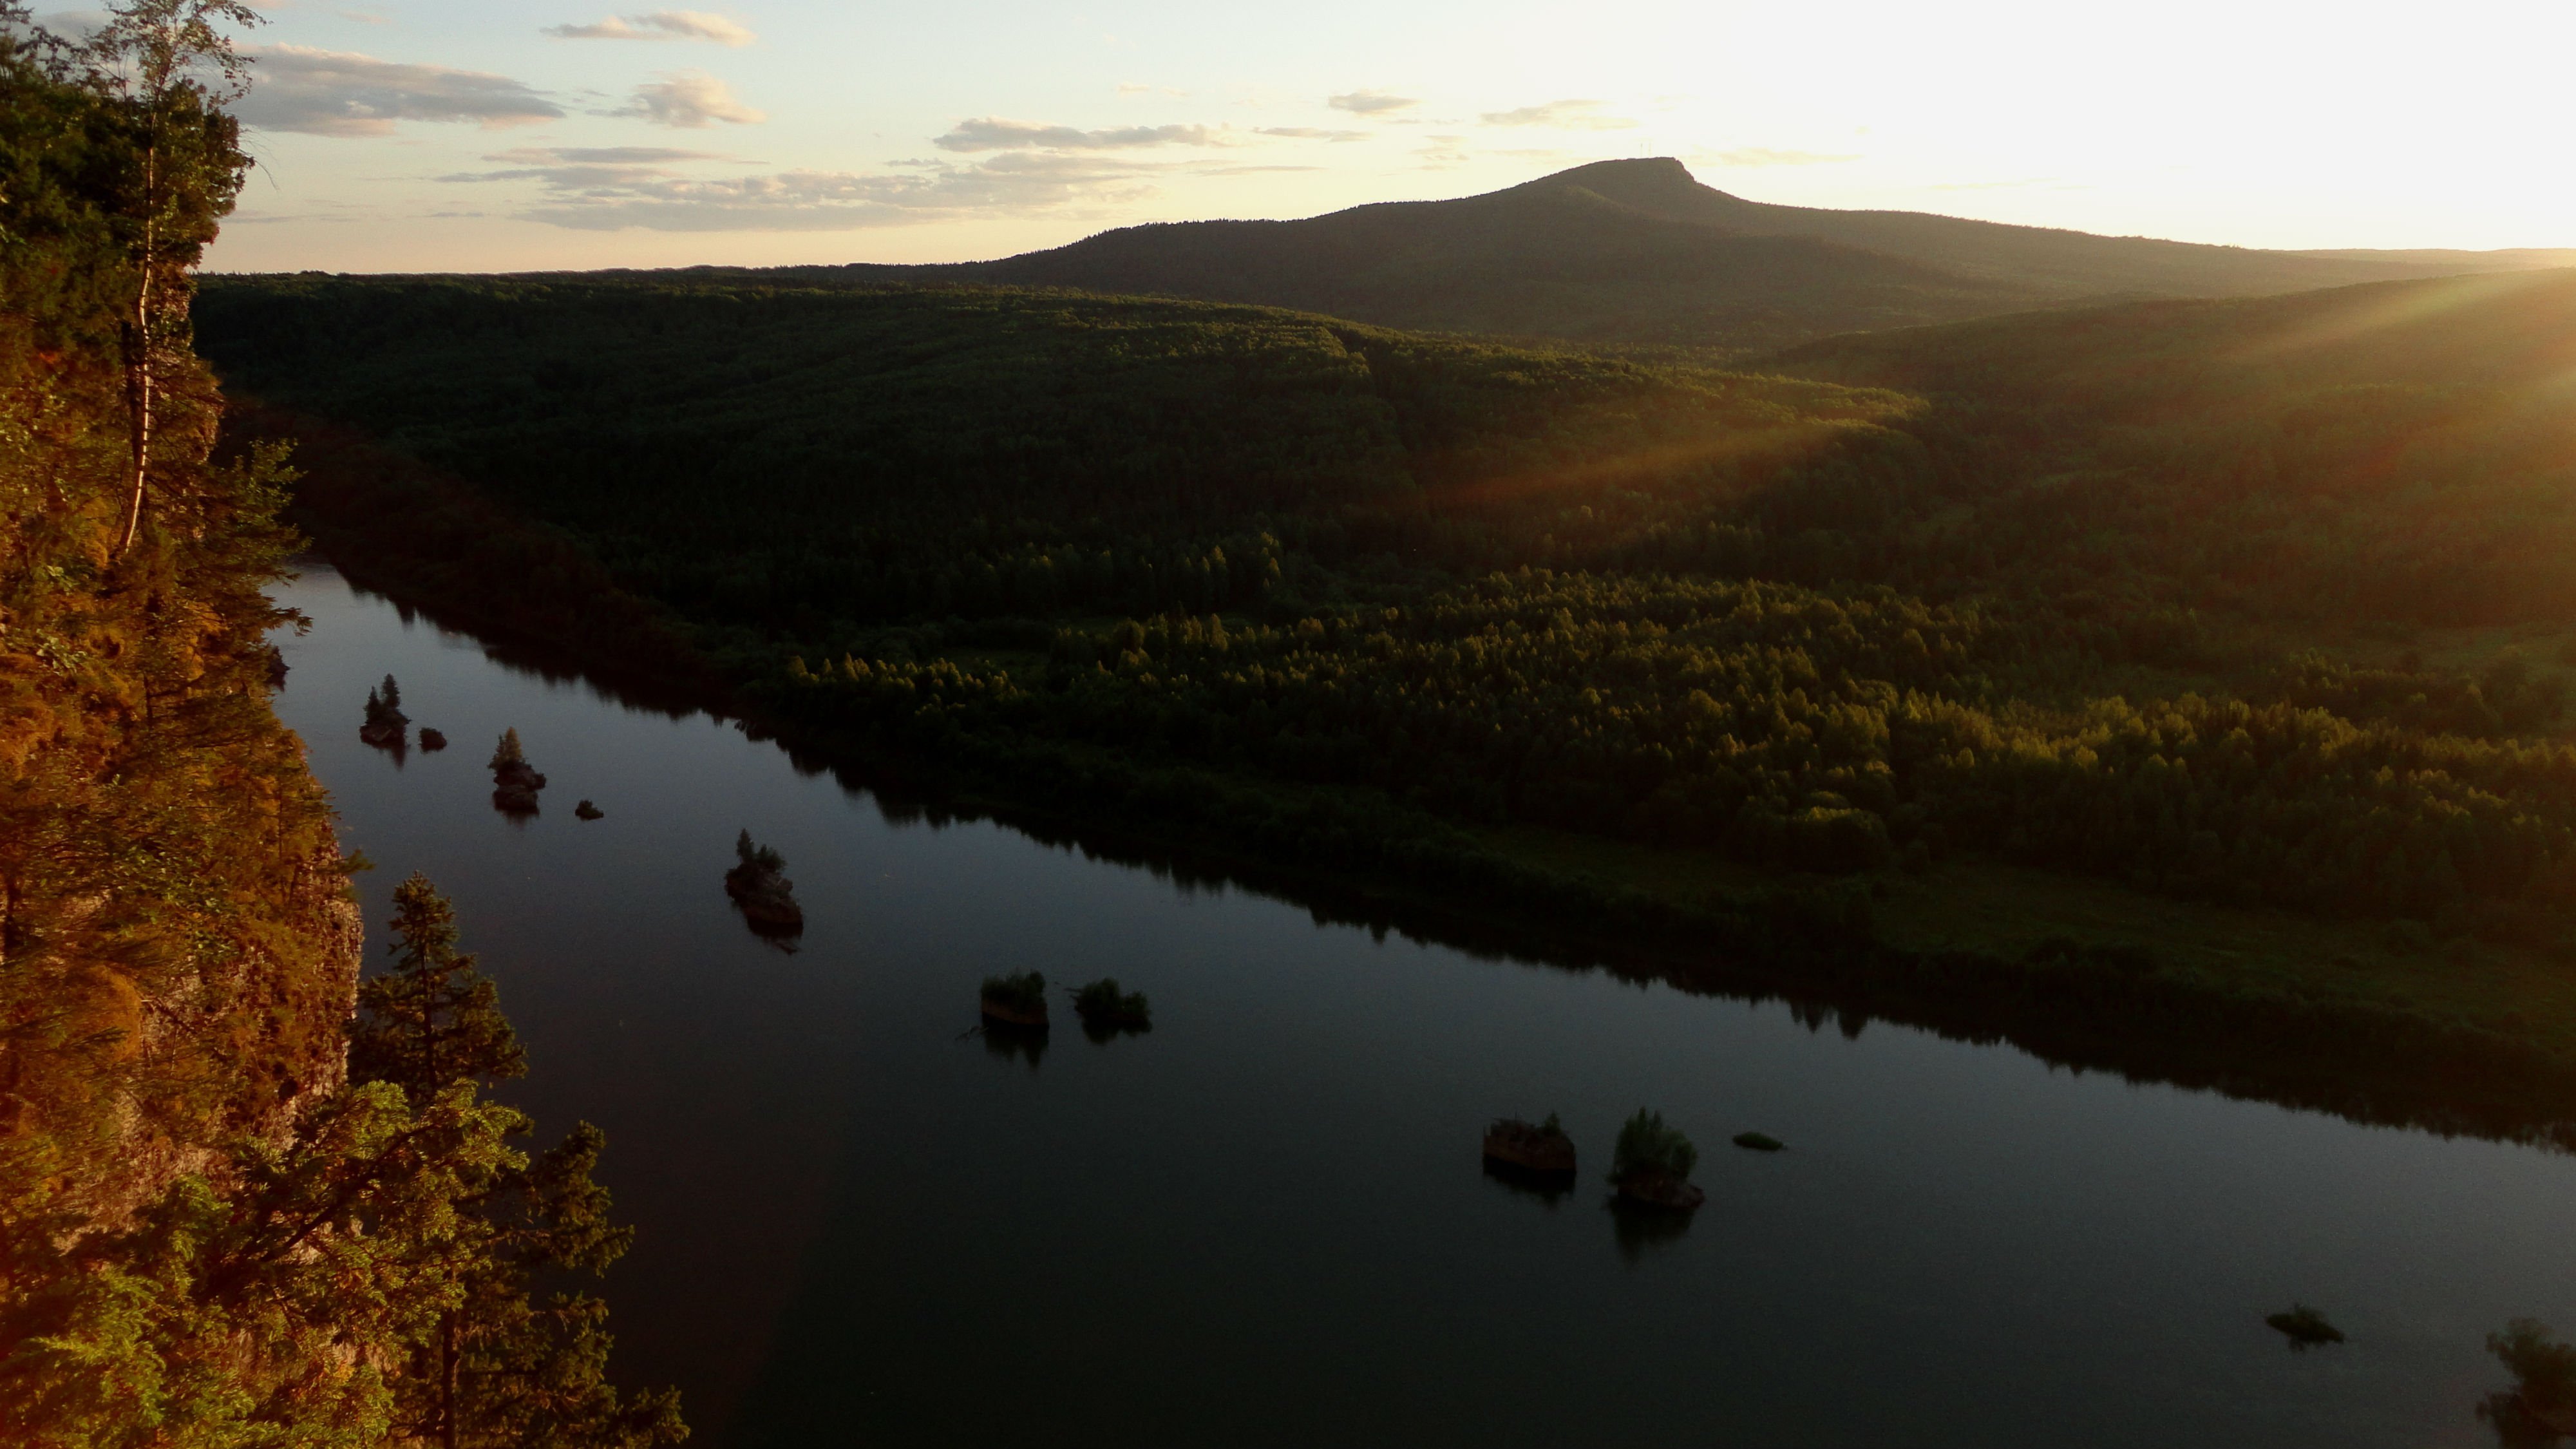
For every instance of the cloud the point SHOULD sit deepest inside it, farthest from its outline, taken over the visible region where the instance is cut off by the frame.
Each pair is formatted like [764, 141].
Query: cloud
[660, 25]
[691, 100]
[1371, 103]
[1310, 133]
[1442, 153]
[991, 133]
[1570, 115]
[607, 190]
[1763, 156]
[331, 93]
[603, 155]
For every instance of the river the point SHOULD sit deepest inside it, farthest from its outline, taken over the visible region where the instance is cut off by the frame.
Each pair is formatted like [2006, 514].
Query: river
[1265, 1221]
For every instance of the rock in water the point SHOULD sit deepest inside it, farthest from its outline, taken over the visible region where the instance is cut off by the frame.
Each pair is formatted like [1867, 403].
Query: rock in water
[587, 811]
[431, 739]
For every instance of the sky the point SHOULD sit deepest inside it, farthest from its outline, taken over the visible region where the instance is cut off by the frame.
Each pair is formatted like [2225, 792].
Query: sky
[497, 135]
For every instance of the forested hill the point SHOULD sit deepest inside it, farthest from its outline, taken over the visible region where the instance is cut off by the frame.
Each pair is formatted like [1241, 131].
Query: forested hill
[830, 459]
[2401, 451]
[1640, 252]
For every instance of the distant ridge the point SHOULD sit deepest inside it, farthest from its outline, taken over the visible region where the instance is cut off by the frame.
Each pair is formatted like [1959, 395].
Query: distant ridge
[1641, 252]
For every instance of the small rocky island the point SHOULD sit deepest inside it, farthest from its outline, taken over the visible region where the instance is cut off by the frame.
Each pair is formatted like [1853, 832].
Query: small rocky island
[1106, 1011]
[1652, 1163]
[385, 722]
[759, 886]
[1533, 1149]
[1016, 1001]
[431, 739]
[515, 782]
[587, 811]
[2305, 1327]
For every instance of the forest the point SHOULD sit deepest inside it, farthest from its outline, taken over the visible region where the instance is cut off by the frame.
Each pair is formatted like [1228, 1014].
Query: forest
[2106, 593]
[243, 1199]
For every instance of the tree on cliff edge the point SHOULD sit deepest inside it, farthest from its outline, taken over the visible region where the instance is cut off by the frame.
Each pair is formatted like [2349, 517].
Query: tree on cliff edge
[500, 1369]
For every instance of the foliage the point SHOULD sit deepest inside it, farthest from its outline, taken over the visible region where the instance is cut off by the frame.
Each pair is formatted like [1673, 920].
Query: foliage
[508, 751]
[1101, 1000]
[208, 1236]
[1023, 992]
[1647, 1146]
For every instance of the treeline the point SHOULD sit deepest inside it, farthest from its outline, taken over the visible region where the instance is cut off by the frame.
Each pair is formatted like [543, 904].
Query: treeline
[1787, 726]
[213, 1230]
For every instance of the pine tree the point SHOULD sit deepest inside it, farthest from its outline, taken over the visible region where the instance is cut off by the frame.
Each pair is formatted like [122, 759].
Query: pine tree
[508, 752]
[499, 1369]
[435, 1019]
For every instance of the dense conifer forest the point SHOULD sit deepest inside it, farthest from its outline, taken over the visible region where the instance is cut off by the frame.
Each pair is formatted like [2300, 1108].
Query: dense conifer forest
[2249, 604]
[217, 1224]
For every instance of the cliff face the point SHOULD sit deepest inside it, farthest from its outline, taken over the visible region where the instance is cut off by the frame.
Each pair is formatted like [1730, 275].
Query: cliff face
[178, 952]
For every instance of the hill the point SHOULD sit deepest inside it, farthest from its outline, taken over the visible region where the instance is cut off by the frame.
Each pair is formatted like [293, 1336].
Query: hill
[2391, 452]
[1639, 252]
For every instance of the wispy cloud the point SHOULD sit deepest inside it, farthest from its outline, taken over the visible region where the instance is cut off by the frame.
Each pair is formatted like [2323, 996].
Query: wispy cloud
[593, 199]
[690, 100]
[1442, 153]
[603, 155]
[660, 25]
[1371, 103]
[1764, 156]
[992, 133]
[334, 93]
[1566, 115]
[1309, 133]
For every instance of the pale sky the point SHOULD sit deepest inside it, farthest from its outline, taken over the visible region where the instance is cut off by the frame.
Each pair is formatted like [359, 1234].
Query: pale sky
[486, 135]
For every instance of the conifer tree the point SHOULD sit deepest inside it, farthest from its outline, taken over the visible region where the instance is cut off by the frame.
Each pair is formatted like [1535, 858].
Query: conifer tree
[509, 752]
[435, 1019]
[499, 1368]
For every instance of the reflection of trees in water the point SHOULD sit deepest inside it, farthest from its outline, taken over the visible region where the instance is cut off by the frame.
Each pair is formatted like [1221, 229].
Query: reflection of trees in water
[2540, 1409]
[1642, 1229]
[2292, 1056]
[1012, 1043]
[1548, 1187]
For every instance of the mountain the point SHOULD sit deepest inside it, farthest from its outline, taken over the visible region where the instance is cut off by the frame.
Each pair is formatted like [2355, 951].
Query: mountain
[1639, 252]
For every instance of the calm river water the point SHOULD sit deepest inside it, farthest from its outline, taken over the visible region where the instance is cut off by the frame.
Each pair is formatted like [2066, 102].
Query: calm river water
[1265, 1221]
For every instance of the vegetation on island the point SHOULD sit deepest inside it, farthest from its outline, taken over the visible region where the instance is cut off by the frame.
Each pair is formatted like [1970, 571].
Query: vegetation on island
[1106, 1009]
[1017, 999]
[515, 782]
[385, 721]
[1542, 1148]
[1759, 1142]
[212, 1229]
[760, 888]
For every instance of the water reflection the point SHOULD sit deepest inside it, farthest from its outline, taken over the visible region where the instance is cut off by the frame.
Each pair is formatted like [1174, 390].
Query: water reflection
[1643, 1229]
[843, 1207]
[1014, 1043]
[1549, 1188]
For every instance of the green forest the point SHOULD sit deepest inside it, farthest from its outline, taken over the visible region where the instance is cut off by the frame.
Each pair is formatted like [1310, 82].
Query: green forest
[2250, 605]
[230, 1214]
